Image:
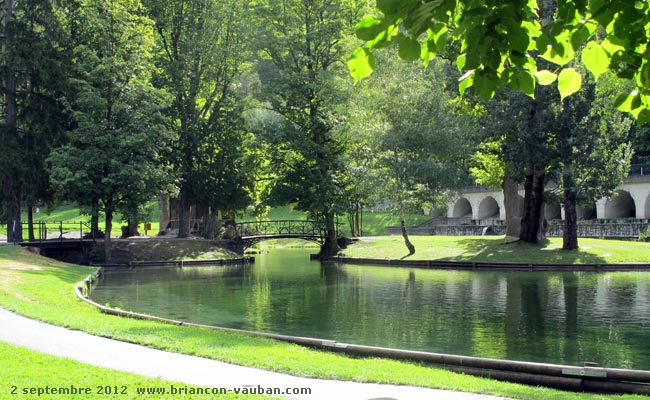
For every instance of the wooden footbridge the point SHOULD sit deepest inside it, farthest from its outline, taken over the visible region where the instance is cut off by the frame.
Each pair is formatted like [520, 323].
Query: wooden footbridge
[254, 232]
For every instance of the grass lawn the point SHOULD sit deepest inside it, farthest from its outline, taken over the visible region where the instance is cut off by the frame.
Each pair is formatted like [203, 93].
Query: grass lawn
[70, 215]
[43, 289]
[495, 248]
[375, 223]
[24, 372]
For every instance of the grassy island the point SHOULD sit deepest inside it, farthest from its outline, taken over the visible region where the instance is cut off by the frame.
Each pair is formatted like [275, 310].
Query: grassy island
[498, 249]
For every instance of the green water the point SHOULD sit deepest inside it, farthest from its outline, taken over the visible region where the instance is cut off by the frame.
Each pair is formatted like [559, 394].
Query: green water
[566, 318]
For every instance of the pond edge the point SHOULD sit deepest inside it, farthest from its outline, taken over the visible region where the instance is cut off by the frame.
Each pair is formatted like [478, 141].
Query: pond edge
[564, 377]
[485, 266]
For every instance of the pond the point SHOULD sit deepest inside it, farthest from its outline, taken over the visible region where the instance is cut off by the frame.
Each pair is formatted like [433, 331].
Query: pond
[554, 317]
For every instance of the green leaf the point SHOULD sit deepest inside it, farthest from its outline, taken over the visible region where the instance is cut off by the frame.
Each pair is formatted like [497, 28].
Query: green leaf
[545, 77]
[438, 34]
[628, 102]
[568, 82]
[643, 76]
[601, 11]
[368, 28]
[409, 49]
[524, 82]
[643, 117]
[476, 12]
[595, 59]
[532, 27]
[460, 61]
[518, 38]
[390, 7]
[384, 38]
[579, 36]
[485, 84]
[428, 52]
[612, 44]
[361, 64]
[466, 81]
[556, 49]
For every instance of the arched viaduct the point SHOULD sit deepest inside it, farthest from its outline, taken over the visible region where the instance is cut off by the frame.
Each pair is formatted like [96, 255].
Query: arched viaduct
[484, 206]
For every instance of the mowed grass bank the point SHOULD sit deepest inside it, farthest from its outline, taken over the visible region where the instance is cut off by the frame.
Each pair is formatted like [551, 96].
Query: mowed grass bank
[43, 289]
[497, 249]
[24, 373]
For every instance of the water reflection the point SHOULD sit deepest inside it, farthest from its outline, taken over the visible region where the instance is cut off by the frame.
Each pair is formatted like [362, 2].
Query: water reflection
[547, 317]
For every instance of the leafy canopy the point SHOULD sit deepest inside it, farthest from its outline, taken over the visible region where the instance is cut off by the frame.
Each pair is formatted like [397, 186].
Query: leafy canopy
[497, 43]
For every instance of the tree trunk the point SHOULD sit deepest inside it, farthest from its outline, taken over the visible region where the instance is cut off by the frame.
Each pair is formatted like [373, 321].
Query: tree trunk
[511, 204]
[407, 242]
[163, 212]
[132, 229]
[15, 226]
[361, 220]
[183, 214]
[353, 219]
[570, 234]
[331, 246]
[357, 218]
[211, 223]
[108, 230]
[94, 219]
[533, 216]
[30, 222]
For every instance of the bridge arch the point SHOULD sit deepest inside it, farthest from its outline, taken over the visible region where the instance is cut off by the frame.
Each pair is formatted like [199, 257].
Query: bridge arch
[586, 212]
[621, 205]
[489, 208]
[552, 211]
[462, 208]
[647, 207]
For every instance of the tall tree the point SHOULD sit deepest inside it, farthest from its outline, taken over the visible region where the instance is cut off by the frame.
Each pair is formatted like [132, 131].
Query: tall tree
[592, 150]
[574, 142]
[44, 114]
[201, 53]
[302, 54]
[225, 170]
[11, 166]
[35, 106]
[113, 157]
[418, 157]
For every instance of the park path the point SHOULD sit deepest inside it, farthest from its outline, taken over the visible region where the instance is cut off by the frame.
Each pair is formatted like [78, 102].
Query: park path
[191, 370]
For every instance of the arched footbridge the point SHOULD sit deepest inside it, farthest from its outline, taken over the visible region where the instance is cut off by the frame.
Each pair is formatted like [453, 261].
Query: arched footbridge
[254, 232]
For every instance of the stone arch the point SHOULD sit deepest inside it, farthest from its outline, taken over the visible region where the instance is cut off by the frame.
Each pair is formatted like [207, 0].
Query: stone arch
[489, 208]
[621, 205]
[586, 212]
[462, 208]
[552, 211]
[647, 207]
